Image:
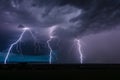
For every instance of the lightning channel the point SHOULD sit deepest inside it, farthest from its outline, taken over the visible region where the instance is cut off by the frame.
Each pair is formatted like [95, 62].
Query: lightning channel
[12, 45]
[19, 45]
[51, 30]
[51, 51]
[78, 42]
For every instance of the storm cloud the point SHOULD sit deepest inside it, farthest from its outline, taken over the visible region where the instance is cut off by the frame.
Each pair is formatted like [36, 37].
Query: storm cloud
[97, 16]
[74, 18]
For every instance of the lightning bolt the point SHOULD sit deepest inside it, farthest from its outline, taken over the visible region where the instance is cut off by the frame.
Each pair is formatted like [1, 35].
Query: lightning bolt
[79, 50]
[18, 40]
[51, 30]
[51, 51]
[36, 43]
[12, 45]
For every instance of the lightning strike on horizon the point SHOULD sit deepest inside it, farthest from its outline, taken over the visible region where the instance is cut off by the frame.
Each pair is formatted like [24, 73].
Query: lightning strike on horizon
[19, 40]
[79, 49]
[12, 45]
[19, 45]
[51, 30]
[51, 51]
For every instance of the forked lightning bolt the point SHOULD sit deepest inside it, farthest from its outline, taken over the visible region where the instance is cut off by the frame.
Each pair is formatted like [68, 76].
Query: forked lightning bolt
[79, 50]
[51, 51]
[51, 30]
[12, 45]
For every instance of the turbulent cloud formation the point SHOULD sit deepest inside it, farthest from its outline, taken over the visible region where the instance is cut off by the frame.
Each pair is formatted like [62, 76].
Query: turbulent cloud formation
[97, 16]
[73, 18]
[39, 15]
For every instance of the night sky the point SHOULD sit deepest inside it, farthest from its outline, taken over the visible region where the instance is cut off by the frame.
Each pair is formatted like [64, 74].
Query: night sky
[94, 22]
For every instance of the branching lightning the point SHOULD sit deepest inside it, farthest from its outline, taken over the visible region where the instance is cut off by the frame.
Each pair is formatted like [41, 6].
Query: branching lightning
[17, 43]
[79, 50]
[51, 30]
[51, 51]
[12, 45]
[51, 36]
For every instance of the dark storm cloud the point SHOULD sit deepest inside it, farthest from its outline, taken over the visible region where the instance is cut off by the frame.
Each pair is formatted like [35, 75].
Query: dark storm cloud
[98, 16]
[35, 12]
[38, 13]
[73, 17]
